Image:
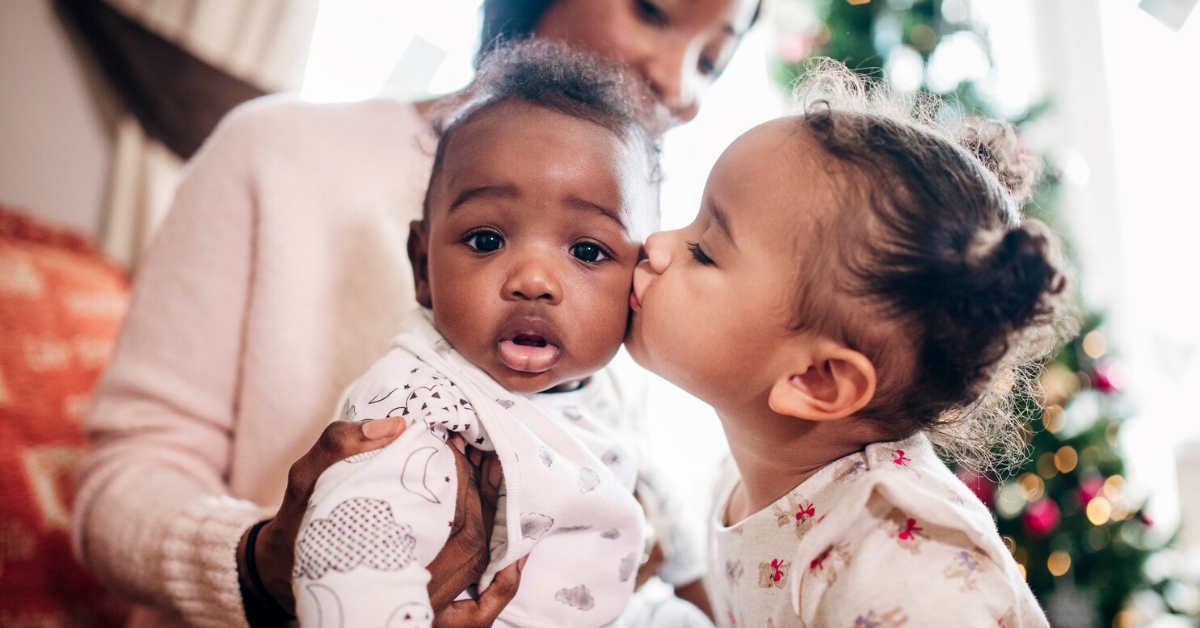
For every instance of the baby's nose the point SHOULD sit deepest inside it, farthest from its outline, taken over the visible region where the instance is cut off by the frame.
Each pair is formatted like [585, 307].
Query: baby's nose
[533, 279]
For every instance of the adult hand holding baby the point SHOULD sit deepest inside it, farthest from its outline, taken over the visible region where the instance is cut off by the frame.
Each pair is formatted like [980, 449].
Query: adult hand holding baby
[458, 565]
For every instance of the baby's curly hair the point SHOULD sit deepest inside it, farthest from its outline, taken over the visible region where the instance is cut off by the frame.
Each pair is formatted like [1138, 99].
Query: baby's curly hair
[929, 234]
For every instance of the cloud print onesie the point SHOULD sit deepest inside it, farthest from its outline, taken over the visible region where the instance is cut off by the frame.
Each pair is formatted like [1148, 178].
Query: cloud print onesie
[377, 519]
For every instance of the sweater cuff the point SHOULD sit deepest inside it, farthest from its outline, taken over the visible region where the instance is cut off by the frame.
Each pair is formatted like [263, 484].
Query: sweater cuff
[200, 560]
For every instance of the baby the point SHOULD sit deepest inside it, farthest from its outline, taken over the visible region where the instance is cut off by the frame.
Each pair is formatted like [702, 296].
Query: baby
[858, 288]
[542, 191]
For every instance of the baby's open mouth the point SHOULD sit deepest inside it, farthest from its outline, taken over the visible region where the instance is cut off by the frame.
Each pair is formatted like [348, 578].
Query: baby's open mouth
[529, 340]
[529, 352]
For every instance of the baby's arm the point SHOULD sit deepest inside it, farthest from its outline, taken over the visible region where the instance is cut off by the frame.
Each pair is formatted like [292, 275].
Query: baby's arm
[376, 520]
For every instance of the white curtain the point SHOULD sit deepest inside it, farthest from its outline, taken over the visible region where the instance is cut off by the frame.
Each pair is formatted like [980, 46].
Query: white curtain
[262, 42]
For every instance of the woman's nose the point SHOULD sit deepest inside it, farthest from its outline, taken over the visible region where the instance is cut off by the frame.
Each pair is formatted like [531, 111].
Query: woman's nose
[658, 250]
[532, 278]
[671, 81]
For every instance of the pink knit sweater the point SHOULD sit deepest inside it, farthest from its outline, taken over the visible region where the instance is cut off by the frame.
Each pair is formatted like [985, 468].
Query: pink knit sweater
[278, 277]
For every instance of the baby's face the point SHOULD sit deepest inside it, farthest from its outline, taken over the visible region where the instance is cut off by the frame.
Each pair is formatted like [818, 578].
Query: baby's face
[715, 301]
[530, 258]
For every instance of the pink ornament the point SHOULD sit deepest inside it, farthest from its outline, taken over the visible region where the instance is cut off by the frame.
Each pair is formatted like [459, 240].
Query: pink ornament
[1041, 517]
[794, 47]
[1108, 376]
[1089, 488]
[983, 487]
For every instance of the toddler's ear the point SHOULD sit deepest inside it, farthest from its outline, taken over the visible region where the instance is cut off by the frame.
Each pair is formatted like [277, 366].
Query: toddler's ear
[418, 256]
[830, 383]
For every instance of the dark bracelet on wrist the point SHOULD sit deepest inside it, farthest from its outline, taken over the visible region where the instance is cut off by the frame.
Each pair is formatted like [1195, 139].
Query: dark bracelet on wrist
[257, 589]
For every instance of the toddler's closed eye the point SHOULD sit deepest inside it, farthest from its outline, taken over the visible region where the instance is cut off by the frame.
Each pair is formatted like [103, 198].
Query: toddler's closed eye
[698, 254]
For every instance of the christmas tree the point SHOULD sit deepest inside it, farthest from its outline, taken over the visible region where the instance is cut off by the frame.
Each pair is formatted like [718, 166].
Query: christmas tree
[1064, 512]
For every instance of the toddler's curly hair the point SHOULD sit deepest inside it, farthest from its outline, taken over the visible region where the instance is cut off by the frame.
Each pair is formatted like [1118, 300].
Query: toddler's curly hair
[929, 234]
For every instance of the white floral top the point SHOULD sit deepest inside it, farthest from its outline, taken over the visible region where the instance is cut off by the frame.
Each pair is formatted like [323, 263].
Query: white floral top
[881, 538]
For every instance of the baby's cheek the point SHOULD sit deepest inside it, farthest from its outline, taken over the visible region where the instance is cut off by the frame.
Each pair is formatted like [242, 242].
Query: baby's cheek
[600, 322]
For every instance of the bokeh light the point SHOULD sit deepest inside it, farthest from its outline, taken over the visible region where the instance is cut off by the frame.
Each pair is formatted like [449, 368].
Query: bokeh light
[1053, 418]
[1045, 465]
[1098, 511]
[1032, 486]
[1065, 459]
[1058, 563]
[1095, 344]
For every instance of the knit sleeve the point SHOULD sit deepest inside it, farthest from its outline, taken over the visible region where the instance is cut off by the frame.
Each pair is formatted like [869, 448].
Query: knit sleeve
[147, 519]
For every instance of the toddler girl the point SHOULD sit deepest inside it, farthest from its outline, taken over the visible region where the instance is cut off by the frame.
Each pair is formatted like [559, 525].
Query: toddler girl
[858, 288]
[542, 190]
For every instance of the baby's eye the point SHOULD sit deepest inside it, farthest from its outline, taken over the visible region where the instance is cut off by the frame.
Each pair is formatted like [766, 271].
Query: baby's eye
[698, 254]
[588, 252]
[707, 67]
[485, 241]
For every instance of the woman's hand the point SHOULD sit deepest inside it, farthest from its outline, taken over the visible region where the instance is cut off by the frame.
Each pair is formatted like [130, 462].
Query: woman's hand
[482, 613]
[458, 565]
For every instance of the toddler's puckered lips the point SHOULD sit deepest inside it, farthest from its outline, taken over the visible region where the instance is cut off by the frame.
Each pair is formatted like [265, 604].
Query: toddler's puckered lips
[641, 279]
[530, 345]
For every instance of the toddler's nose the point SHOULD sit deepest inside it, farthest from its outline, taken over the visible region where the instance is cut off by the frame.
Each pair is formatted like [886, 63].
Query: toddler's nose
[658, 250]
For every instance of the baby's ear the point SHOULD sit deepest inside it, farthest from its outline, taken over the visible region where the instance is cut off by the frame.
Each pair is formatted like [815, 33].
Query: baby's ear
[828, 383]
[418, 256]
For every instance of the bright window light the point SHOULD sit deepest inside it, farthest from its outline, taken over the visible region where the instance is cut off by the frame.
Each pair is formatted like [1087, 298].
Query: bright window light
[407, 49]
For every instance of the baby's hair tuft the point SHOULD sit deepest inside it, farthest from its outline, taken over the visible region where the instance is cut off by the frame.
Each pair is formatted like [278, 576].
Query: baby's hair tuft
[554, 76]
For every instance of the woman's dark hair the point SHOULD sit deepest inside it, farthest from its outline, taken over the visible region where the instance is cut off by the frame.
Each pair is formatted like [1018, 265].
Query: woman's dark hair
[929, 235]
[553, 76]
[513, 20]
[508, 21]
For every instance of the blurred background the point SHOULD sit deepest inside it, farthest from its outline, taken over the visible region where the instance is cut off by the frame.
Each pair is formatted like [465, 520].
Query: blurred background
[102, 102]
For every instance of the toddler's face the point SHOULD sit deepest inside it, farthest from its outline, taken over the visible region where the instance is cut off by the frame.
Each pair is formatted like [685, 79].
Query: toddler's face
[528, 246]
[715, 301]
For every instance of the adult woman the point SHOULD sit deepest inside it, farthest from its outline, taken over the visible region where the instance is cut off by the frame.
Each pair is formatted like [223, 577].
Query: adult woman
[279, 275]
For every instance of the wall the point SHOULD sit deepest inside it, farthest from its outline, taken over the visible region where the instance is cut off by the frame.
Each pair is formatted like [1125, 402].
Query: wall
[55, 129]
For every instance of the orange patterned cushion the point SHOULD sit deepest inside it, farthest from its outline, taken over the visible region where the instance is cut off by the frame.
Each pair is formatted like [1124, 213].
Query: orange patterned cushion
[60, 309]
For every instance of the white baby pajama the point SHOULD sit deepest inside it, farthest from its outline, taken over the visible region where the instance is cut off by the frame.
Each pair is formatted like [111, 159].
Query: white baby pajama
[376, 520]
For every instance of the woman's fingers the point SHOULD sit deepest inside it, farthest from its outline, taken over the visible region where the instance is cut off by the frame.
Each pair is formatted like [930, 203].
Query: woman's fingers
[466, 554]
[464, 557]
[274, 549]
[651, 567]
[383, 428]
[489, 488]
[340, 440]
[502, 591]
[482, 613]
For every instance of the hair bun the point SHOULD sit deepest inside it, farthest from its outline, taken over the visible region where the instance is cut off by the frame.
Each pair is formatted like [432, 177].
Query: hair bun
[998, 147]
[1014, 278]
